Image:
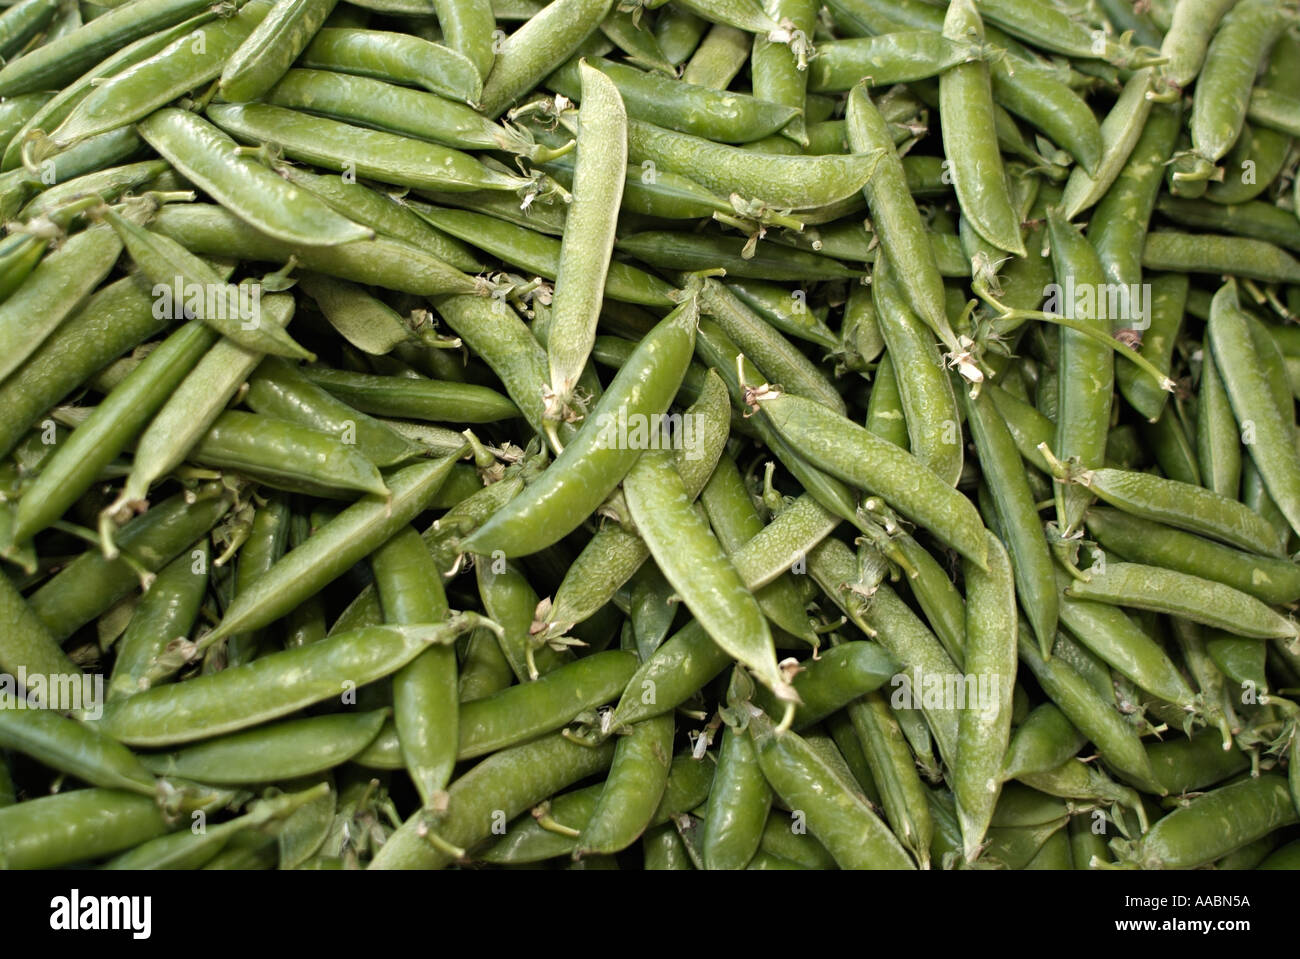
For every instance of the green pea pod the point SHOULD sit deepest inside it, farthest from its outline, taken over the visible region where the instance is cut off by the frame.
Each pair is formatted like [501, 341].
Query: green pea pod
[1188, 37]
[1213, 825]
[467, 27]
[1040, 98]
[588, 240]
[74, 748]
[167, 612]
[983, 731]
[718, 58]
[266, 54]
[1119, 135]
[212, 161]
[783, 182]
[59, 61]
[367, 323]
[508, 782]
[186, 64]
[1044, 741]
[512, 604]
[272, 753]
[540, 254]
[896, 218]
[91, 584]
[1017, 515]
[877, 466]
[896, 57]
[595, 460]
[421, 399]
[1207, 253]
[274, 685]
[894, 771]
[347, 538]
[397, 58]
[284, 455]
[1274, 581]
[532, 51]
[676, 670]
[109, 428]
[835, 814]
[739, 801]
[385, 215]
[1086, 367]
[684, 107]
[632, 793]
[282, 391]
[694, 562]
[614, 553]
[58, 285]
[1092, 715]
[23, 21]
[1200, 600]
[1267, 430]
[966, 107]
[1184, 765]
[77, 826]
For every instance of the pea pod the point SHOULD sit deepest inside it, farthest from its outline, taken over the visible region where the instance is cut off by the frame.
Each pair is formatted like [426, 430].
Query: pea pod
[397, 58]
[894, 771]
[835, 814]
[77, 826]
[264, 56]
[421, 399]
[739, 801]
[595, 461]
[634, 789]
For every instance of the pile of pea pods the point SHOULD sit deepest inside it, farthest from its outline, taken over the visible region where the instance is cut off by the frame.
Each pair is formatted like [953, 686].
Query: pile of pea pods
[663, 434]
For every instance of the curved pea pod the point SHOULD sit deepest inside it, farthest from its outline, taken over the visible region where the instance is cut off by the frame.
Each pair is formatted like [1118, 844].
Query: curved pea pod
[76, 826]
[672, 250]
[1092, 715]
[614, 553]
[422, 399]
[1275, 581]
[367, 323]
[186, 64]
[1267, 429]
[467, 27]
[877, 466]
[1184, 506]
[716, 115]
[681, 666]
[1115, 638]
[108, 429]
[540, 254]
[633, 791]
[1044, 741]
[270, 687]
[694, 562]
[374, 154]
[272, 753]
[506, 783]
[347, 538]
[984, 727]
[396, 58]
[1047, 104]
[1188, 37]
[21, 22]
[530, 709]
[835, 678]
[1208, 253]
[966, 108]
[60, 61]
[893, 769]
[784, 182]
[59, 284]
[212, 161]
[186, 849]
[512, 603]
[588, 239]
[91, 584]
[285, 455]
[595, 460]
[108, 185]
[1192, 764]
[1120, 131]
[1213, 825]
[652, 192]
[739, 801]
[279, 390]
[895, 216]
[1232, 62]
[882, 61]
[74, 748]
[1200, 600]
[532, 51]
[264, 56]
[166, 612]
[835, 813]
